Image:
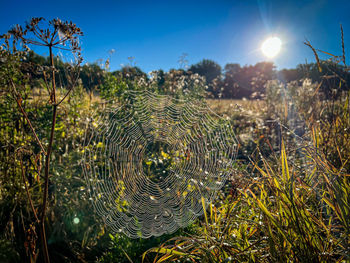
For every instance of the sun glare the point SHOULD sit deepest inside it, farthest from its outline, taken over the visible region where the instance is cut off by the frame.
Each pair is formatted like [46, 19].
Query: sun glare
[76, 220]
[271, 47]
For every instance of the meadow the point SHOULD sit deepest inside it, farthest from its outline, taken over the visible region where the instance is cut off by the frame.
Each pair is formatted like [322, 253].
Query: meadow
[287, 201]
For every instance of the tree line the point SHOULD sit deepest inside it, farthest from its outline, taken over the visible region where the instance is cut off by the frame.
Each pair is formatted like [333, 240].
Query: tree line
[233, 81]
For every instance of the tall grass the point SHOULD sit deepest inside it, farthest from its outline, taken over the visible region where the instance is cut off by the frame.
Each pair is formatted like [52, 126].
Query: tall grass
[287, 214]
[293, 200]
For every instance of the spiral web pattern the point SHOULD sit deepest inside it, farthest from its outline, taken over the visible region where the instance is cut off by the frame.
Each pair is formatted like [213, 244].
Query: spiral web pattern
[149, 163]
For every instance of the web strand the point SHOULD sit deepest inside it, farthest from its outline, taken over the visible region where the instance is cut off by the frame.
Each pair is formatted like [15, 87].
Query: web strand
[148, 163]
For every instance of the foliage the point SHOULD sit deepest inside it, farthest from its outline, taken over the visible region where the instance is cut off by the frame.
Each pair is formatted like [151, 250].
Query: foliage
[207, 68]
[247, 81]
[288, 201]
[176, 83]
[298, 222]
[212, 73]
[220, 237]
[294, 201]
[124, 249]
[289, 212]
[14, 48]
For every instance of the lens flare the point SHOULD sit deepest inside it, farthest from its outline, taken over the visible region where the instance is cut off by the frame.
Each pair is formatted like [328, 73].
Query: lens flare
[76, 220]
[271, 47]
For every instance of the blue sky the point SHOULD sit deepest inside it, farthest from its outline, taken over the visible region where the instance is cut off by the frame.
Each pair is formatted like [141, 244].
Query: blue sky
[156, 33]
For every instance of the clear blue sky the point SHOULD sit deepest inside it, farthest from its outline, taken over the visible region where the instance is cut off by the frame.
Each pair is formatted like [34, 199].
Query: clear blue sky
[156, 33]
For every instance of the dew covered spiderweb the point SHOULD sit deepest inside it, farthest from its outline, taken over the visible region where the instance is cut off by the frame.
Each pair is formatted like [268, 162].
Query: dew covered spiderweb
[149, 162]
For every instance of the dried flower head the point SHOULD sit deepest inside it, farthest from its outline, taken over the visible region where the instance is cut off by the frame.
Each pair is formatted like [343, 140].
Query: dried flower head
[54, 33]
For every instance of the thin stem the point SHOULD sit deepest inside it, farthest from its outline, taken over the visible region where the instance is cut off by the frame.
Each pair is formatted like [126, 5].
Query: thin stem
[29, 123]
[47, 161]
[46, 187]
[53, 36]
[64, 96]
[46, 84]
[53, 75]
[62, 48]
[69, 90]
[28, 194]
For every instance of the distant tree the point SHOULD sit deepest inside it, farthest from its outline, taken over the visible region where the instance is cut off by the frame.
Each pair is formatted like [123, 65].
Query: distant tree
[232, 68]
[130, 73]
[262, 72]
[230, 82]
[160, 77]
[288, 75]
[207, 68]
[92, 76]
[34, 58]
[246, 81]
[211, 71]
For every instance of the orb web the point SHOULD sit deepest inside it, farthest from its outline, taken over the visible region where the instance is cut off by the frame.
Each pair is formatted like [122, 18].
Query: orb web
[148, 163]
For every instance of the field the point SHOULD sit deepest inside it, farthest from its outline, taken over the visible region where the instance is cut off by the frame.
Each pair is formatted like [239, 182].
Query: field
[286, 199]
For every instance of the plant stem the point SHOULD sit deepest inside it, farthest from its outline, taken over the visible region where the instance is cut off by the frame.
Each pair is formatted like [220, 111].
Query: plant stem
[47, 161]
[28, 194]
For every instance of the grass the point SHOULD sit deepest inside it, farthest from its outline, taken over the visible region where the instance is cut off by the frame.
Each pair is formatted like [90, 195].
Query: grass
[292, 199]
[288, 201]
[290, 205]
[286, 214]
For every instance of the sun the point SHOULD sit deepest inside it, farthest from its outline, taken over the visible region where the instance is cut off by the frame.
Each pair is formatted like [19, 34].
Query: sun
[271, 47]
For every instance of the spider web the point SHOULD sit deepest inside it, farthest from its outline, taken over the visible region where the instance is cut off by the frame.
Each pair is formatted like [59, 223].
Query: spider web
[149, 163]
